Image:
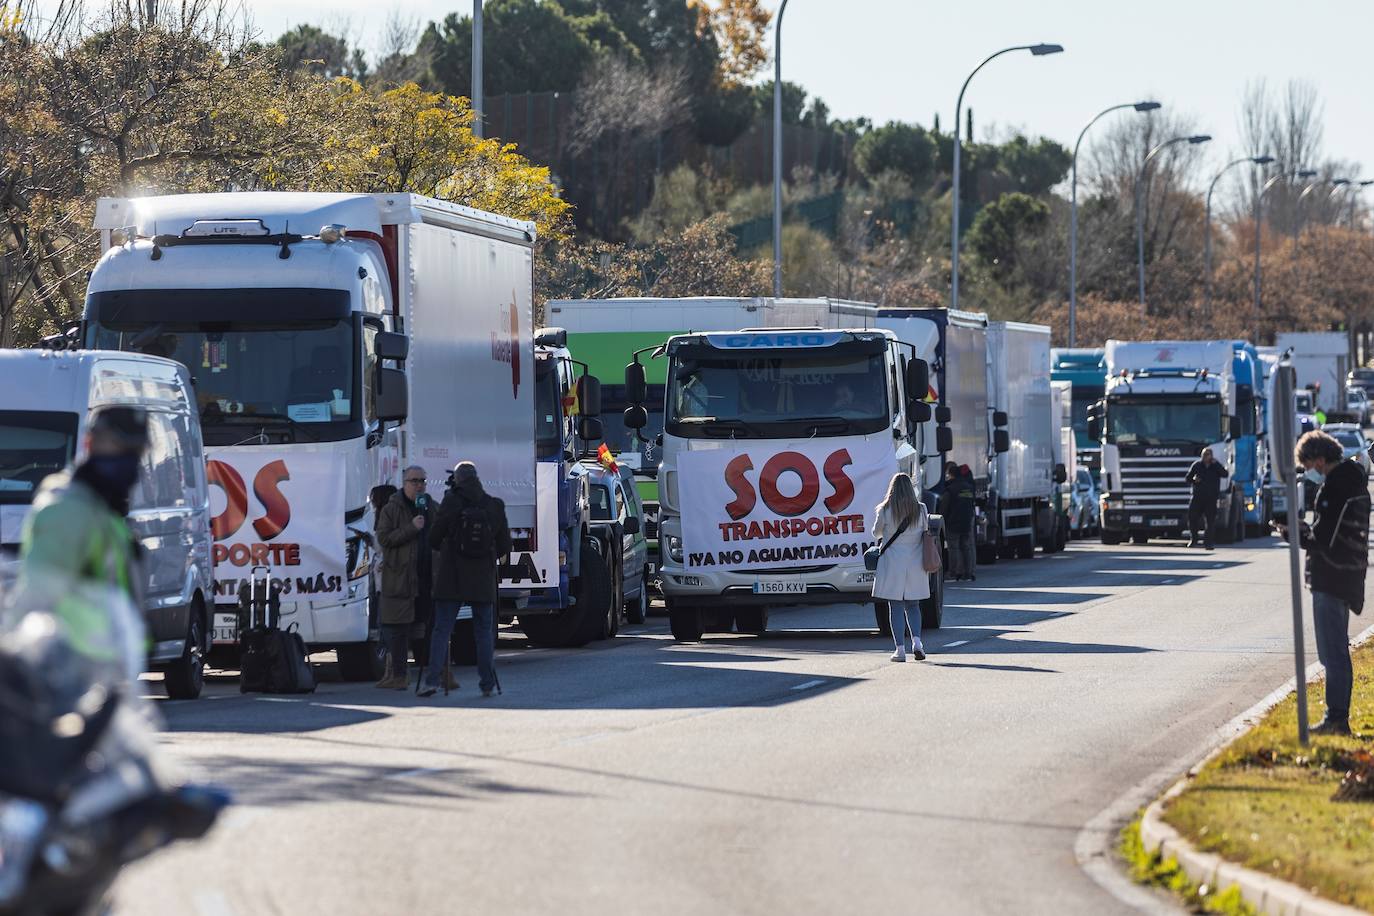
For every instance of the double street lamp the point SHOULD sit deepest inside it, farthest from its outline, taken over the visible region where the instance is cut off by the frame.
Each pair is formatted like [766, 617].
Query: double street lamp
[1073, 212]
[1139, 216]
[777, 151]
[1207, 226]
[1259, 228]
[1039, 50]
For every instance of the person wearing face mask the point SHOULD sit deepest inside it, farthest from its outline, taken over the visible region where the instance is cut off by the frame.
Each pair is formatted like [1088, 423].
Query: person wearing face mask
[76, 530]
[1337, 545]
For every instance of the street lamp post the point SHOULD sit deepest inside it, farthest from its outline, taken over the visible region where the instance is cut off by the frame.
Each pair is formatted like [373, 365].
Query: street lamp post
[777, 151]
[1297, 209]
[1259, 228]
[1073, 212]
[1139, 218]
[478, 128]
[1039, 50]
[1207, 226]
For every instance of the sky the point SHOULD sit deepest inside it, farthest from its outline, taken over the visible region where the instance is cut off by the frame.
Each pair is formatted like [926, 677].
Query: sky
[905, 59]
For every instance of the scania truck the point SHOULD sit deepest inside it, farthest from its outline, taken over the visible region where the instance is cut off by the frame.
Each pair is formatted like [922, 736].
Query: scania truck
[332, 340]
[1165, 402]
[777, 446]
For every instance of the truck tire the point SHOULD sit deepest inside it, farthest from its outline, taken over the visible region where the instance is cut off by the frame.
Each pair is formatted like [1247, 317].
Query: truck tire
[933, 608]
[1140, 539]
[1025, 547]
[1226, 528]
[587, 619]
[362, 661]
[1110, 538]
[752, 620]
[685, 621]
[881, 616]
[185, 677]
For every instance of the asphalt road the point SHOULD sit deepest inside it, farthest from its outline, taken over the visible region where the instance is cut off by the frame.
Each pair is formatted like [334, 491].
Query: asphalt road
[798, 772]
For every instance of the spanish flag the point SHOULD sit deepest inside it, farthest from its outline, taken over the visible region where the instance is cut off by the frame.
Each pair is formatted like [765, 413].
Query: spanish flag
[606, 459]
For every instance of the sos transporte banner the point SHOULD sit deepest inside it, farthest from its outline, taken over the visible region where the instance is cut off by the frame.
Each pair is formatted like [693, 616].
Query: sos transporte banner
[756, 506]
[283, 513]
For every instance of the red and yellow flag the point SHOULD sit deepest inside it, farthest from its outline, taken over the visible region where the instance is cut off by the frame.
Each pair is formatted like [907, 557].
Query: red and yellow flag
[606, 459]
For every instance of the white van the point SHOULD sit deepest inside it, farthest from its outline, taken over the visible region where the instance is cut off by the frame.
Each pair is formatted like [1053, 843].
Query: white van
[45, 400]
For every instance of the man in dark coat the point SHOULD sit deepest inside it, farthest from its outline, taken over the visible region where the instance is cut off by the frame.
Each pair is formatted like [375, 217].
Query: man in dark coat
[472, 536]
[1337, 545]
[407, 571]
[956, 505]
[1205, 475]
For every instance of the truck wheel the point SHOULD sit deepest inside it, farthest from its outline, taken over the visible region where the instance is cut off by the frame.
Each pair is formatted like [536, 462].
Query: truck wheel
[1111, 538]
[610, 625]
[1140, 539]
[1025, 548]
[752, 620]
[185, 679]
[685, 622]
[362, 661]
[933, 608]
[881, 616]
[1226, 531]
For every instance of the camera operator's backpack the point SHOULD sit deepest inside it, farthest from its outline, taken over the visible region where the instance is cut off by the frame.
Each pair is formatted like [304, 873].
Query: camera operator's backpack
[473, 536]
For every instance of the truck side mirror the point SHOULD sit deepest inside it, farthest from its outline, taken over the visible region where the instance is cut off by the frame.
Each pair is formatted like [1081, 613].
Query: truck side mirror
[589, 397]
[917, 378]
[393, 394]
[1094, 428]
[999, 418]
[943, 415]
[1061, 473]
[944, 440]
[588, 427]
[636, 417]
[918, 411]
[636, 389]
[390, 345]
[1232, 426]
[1001, 441]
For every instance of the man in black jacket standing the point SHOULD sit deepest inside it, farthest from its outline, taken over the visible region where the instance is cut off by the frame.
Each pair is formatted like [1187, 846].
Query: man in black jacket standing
[472, 536]
[1205, 475]
[1337, 545]
[956, 505]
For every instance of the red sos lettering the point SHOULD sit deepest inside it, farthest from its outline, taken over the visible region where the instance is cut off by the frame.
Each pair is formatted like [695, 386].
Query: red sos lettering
[266, 487]
[799, 503]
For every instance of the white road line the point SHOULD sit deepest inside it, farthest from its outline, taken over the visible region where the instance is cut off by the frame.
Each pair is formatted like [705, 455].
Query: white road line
[419, 771]
[956, 644]
[1167, 581]
[807, 685]
[212, 903]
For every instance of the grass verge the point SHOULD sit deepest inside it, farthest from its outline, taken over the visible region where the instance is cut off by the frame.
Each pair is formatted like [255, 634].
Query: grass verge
[1270, 804]
[1149, 868]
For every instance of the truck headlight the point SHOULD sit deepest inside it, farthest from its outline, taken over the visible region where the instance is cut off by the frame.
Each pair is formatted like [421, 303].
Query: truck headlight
[359, 557]
[675, 548]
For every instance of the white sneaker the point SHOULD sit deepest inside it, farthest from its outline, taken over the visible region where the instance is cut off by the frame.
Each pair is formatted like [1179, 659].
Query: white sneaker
[899, 655]
[918, 651]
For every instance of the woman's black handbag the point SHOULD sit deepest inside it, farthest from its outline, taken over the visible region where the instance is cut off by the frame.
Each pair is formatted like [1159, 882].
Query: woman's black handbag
[872, 554]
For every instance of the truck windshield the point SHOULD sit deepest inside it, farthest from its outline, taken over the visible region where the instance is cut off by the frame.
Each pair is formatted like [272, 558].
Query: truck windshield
[1149, 422]
[299, 375]
[714, 395]
[33, 444]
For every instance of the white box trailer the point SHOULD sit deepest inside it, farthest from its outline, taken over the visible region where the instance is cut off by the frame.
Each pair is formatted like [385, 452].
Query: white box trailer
[1320, 358]
[289, 309]
[1022, 476]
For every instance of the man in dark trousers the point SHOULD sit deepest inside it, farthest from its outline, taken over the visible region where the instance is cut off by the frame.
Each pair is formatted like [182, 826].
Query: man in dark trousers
[1206, 476]
[472, 536]
[407, 570]
[1337, 545]
[956, 505]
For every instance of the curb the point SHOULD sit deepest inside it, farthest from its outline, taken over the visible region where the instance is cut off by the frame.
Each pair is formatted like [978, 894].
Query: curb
[1265, 893]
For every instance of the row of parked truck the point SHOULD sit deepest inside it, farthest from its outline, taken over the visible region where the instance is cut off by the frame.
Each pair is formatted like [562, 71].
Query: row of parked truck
[317, 344]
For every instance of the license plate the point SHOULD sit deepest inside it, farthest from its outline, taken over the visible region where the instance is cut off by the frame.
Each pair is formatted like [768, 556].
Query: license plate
[865, 578]
[1163, 522]
[1137, 519]
[226, 629]
[779, 587]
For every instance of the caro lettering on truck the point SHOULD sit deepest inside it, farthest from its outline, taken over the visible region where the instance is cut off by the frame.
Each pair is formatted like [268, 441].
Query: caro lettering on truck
[290, 520]
[765, 505]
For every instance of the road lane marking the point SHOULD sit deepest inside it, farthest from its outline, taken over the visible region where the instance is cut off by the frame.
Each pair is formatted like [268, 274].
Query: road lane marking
[807, 685]
[1167, 581]
[419, 771]
[956, 644]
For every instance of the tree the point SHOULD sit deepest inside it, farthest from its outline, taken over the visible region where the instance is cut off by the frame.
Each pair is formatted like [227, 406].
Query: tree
[906, 149]
[793, 101]
[1036, 167]
[1003, 226]
[311, 48]
[741, 32]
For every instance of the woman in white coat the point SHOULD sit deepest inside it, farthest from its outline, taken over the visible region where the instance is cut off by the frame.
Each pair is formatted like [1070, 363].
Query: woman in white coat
[901, 579]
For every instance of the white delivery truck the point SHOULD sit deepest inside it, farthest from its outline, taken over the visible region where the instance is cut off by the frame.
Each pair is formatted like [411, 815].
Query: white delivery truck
[332, 339]
[1065, 459]
[1321, 360]
[46, 403]
[1023, 475]
[777, 446]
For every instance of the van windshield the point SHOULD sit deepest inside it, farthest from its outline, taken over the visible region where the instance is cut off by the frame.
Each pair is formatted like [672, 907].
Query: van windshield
[33, 444]
[299, 376]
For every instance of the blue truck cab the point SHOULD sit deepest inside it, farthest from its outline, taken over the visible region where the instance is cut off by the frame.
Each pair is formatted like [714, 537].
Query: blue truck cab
[1085, 369]
[1251, 446]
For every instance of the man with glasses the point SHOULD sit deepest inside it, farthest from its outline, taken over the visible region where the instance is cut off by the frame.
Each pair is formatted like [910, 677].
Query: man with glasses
[407, 571]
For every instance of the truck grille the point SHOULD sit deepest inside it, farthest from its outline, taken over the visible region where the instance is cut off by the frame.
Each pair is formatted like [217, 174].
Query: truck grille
[1156, 483]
